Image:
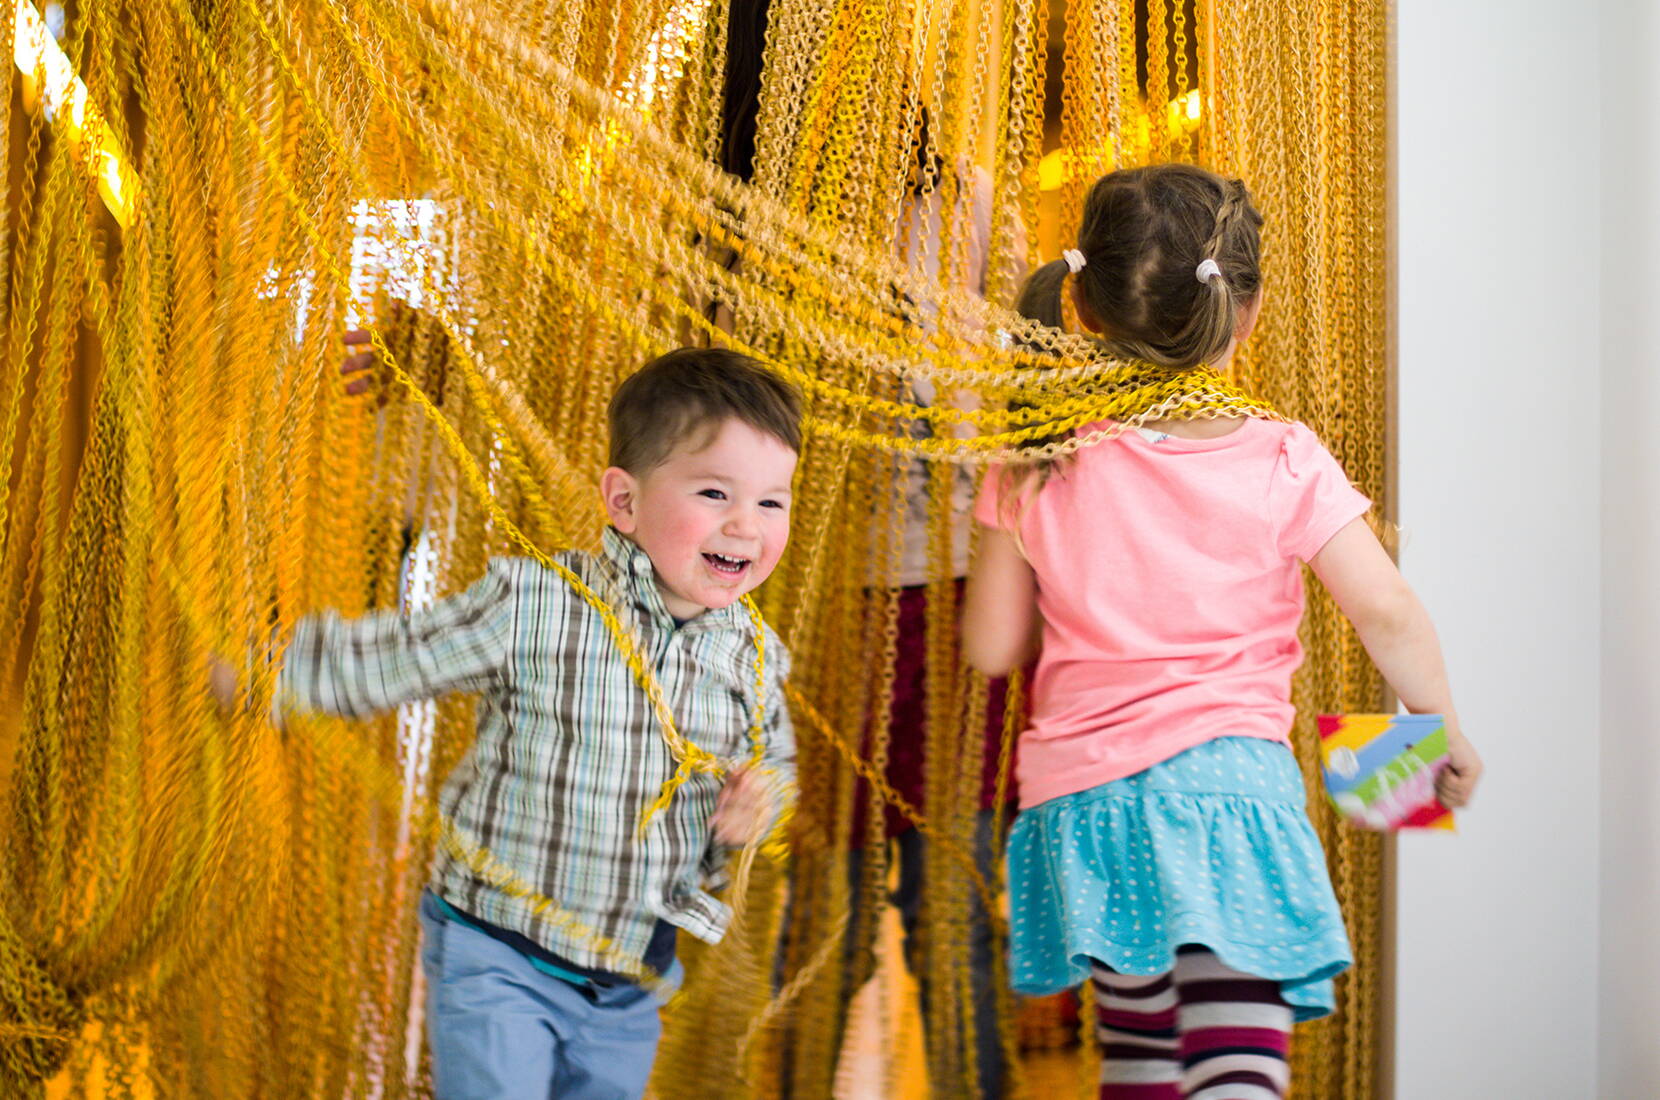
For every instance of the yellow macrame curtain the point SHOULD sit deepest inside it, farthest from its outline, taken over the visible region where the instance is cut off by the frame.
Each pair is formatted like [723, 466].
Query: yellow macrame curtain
[525, 201]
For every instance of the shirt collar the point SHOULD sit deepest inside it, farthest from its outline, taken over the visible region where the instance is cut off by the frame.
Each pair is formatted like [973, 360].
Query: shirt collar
[633, 564]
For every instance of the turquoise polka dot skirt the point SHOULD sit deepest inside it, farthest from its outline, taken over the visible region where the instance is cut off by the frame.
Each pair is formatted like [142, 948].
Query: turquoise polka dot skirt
[1210, 847]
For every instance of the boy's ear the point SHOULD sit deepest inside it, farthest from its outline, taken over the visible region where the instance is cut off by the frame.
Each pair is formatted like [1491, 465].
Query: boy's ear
[620, 491]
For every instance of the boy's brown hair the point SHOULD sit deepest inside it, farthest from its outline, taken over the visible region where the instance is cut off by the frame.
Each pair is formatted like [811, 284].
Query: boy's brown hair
[692, 390]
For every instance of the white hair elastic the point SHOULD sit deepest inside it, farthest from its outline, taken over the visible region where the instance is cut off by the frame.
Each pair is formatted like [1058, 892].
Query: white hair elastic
[1206, 269]
[1075, 260]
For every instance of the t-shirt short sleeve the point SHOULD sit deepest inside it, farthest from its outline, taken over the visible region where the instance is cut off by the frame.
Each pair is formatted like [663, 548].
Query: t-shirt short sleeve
[1310, 498]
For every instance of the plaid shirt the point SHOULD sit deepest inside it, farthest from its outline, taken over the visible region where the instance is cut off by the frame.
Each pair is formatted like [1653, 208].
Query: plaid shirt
[569, 754]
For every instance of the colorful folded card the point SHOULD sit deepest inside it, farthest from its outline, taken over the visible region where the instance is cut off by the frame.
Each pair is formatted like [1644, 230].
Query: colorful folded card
[1380, 769]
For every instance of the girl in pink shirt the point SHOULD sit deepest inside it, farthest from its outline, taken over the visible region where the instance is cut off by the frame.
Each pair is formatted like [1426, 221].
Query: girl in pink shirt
[1163, 848]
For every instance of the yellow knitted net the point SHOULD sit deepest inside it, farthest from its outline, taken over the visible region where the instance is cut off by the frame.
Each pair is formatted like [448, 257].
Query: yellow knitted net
[524, 201]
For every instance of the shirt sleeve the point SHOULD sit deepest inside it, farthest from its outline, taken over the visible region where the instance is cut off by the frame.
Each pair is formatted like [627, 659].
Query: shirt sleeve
[778, 732]
[777, 759]
[777, 729]
[1310, 498]
[354, 668]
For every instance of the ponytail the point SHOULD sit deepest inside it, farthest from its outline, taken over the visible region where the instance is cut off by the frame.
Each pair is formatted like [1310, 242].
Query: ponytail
[1040, 298]
[1210, 329]
[1211, 326]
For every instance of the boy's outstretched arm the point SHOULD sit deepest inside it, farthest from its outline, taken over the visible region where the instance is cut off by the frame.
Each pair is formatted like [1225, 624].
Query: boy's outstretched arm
[1398, 634]
[1001, 626]
[358, 667]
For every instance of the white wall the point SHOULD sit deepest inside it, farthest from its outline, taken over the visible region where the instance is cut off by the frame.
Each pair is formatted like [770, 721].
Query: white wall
[1500, 421]
[1630, 991]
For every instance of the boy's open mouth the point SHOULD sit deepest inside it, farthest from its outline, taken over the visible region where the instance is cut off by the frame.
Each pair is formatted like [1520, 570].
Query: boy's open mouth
[730, 566]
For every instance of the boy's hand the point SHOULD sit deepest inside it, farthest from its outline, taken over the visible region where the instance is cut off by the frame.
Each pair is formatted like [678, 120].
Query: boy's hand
[744, 808]
[1456, 782]
[222, 684]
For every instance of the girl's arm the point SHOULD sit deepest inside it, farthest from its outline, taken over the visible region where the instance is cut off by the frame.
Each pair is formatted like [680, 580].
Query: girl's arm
[1398, 634]
[1001, 626]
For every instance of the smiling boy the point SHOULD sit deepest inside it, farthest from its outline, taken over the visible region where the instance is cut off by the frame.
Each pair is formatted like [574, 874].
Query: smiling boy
[569, 754]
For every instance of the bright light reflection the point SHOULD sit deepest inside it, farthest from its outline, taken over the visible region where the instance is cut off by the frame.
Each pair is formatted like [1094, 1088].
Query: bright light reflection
[1182, 117]
[49, 79]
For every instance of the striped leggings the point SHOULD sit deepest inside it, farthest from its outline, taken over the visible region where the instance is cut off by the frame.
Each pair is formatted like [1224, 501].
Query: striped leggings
[1200, 1032]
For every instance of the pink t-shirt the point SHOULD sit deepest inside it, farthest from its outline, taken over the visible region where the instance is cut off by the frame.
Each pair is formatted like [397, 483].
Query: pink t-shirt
[1171, 587]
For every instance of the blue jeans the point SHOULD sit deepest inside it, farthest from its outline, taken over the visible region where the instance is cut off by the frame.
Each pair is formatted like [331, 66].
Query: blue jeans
[500, 1028]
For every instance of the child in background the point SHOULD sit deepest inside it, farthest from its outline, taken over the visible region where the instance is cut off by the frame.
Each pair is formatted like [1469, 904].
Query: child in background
[569, 754]
[1163, 848]
[922, 244]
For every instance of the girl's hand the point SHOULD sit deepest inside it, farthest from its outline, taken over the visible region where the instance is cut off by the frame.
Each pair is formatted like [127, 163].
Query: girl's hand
[743, 809]
[1457, 781]
[360, 367]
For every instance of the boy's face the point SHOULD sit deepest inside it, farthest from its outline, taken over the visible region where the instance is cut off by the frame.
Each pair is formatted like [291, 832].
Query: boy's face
[714, 519]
